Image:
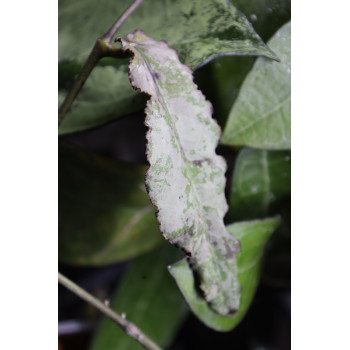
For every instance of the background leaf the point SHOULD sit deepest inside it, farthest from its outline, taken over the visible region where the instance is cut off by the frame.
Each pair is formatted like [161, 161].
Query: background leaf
[104, 212]
[253, 236]
[149, 298]
[200, 30]
[260, 117]
[260, 179]
[107, 95]
[186, 179]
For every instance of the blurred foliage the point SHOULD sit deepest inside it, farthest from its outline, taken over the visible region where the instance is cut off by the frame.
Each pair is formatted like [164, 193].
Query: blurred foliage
[261, 178]
[105, 215]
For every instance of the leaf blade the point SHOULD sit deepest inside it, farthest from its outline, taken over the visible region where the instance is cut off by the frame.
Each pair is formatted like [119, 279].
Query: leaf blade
[182, 138]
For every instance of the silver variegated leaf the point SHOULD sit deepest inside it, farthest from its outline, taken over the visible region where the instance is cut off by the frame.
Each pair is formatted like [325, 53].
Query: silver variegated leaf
[186, 178]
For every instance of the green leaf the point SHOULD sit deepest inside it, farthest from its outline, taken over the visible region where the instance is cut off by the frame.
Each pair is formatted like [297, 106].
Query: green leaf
[253, 236]
[104, 212]
[186, 179]
[260, 179]
[260, 117]
[220, 82]
[149, 298]
[221, 79]
[107, 95]
[200, 30]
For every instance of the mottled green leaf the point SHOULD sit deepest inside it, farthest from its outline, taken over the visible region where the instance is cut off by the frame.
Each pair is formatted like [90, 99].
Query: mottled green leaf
[200, 30]
[186, 178]
[107, 95]
[260, 117]
[221, 79]
[260, 179]
[149, 298]
[253, 236]
[104, 212]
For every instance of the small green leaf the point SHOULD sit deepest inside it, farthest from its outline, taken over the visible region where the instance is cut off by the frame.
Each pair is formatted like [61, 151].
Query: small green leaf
[186, 179]
[200, 30]
[107, 95]
[149, 298]
[253, 236]
[104, 213]
[260, 117]
[260, 178]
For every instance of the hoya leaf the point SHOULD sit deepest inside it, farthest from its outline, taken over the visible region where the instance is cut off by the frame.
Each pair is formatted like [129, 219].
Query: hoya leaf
[186, 178]
[199, 30]
[104, 212]
[260, 116]
[253, 236]
[149, 298]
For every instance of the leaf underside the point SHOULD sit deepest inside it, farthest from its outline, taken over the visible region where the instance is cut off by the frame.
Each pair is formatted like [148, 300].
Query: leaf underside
[186, 178]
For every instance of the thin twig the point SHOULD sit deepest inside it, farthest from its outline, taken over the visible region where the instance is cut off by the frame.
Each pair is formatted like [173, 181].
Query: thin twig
[111, 32]
[129, 328]
[89, 65]
[102, 48]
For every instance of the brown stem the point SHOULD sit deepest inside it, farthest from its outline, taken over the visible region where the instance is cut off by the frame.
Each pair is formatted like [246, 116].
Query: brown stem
[108, 37]
[129, 328]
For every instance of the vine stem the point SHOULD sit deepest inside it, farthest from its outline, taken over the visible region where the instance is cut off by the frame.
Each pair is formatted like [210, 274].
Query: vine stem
[102, 48]
[108, 36]
[129, 328]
